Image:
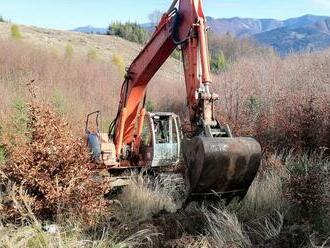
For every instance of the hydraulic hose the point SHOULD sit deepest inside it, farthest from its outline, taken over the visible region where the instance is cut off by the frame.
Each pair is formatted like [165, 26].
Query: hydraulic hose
[175, 28]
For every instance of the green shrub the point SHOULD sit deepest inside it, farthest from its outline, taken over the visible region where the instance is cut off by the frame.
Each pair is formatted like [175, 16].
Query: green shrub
[218, 62]
[92, 54]
[2, 155]
[15, 32]
[59, 102]
[20, 116]
[2, 19]
[68, 51]
[119, 62]
[150, 107]
[129, 31]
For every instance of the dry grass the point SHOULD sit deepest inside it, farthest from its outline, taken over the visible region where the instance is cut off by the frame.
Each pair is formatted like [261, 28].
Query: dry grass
[257, 218]
[69, 230]
[79, 84]
[264, 196]
[70, 236]
[76, 68]
[225, 229]
[323, 244]
[145, 197]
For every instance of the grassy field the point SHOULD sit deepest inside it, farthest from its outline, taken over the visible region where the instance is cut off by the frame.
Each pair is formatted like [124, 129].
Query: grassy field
[51, 79]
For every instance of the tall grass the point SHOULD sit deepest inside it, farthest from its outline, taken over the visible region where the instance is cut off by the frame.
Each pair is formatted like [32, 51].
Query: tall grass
[84, 82]
[145, 197]
[92, 55]
[226, 230]
[85, 85]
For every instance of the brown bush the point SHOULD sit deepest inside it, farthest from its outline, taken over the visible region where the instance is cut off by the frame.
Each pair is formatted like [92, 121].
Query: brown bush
[283, 102]
[52, 166]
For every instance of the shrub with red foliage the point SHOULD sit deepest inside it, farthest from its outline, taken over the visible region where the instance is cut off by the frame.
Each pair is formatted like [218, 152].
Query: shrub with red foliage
[52, 166]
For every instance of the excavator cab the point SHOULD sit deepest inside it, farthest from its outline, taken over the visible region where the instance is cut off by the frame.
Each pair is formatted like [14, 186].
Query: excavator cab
[161, 139]
[160, 145]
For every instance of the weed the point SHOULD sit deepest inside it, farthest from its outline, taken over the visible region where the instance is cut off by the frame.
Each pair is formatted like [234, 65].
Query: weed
[308, 190]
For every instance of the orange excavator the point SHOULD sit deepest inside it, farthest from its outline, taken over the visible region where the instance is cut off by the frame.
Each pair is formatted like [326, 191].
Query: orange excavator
[214, 162]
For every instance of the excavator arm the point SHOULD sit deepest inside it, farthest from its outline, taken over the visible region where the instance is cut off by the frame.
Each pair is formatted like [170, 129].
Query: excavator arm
[183, 26]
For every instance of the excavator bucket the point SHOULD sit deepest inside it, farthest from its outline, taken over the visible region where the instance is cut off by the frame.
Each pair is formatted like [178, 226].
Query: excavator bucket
[220, 167]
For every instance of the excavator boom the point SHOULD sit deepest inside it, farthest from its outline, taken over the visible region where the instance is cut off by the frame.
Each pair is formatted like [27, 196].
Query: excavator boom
[183, 26]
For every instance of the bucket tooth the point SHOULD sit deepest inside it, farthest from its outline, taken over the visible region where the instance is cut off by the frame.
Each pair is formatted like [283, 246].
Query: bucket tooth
[223, 167]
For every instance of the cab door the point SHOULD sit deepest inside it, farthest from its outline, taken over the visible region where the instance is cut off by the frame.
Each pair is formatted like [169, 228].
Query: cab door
[166, 140]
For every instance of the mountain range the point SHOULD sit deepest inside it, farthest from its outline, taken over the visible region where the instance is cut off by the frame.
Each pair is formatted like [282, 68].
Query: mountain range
[305, 33]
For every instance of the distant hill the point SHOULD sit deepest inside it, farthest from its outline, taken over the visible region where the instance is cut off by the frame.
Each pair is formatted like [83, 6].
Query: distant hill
[305, 33]
[242, 27]
[305, 20]
[90, 30]
[291, 40]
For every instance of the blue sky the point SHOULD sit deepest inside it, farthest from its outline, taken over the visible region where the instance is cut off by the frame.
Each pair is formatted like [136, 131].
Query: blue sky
[68, 14]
